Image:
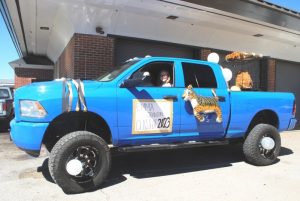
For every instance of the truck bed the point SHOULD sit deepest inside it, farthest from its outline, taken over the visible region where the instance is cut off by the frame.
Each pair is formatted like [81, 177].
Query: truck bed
[246, 104]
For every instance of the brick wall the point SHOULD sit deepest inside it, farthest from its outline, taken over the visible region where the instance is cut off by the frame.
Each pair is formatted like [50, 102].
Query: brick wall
[204, 54]
[65, 62]
[86, 57]
[268, 74]
[271, 74]
[25, 76]
[93, 55]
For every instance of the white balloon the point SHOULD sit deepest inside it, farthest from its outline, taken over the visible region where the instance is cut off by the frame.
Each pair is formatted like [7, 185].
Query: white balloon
[267, 143]
[227, 74]
[74, 167]
[213, 57]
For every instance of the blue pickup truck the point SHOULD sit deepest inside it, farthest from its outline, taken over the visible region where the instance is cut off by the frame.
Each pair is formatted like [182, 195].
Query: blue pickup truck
[128, 109]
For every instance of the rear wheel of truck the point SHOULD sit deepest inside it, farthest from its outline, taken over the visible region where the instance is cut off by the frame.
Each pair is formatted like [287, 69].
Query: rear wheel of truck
[262, 145]
[79, 162]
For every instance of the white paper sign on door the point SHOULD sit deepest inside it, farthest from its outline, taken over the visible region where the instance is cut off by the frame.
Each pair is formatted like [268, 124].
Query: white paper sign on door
[152, 116]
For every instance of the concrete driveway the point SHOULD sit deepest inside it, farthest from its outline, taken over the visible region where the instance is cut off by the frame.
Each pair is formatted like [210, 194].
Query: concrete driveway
[209, 173]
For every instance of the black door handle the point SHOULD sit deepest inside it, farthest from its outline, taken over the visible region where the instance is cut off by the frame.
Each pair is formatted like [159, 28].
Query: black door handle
[171, 97]
[221, 98]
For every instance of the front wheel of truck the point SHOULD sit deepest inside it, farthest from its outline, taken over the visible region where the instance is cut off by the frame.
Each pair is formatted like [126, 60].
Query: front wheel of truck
[79, 162]
[262, 145]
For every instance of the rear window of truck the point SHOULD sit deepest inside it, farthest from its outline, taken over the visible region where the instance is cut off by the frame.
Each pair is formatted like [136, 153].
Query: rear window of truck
[199, 75]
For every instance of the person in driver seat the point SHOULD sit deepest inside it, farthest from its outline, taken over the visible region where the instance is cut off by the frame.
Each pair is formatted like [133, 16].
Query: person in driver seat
[165, 79]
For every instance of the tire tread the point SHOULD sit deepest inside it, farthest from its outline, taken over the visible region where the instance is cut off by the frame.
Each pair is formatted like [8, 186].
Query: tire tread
[250, 147]
[56, 151]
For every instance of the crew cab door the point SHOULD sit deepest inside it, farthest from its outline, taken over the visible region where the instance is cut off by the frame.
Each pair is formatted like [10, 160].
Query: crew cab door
[203, 78]
[149, 113]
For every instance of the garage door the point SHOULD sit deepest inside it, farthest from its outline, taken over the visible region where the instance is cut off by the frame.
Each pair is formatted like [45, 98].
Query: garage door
[288, 80]
[129, 48]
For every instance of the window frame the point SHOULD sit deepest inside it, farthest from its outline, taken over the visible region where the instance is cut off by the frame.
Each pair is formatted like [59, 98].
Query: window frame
[172, 63]
[201, 65]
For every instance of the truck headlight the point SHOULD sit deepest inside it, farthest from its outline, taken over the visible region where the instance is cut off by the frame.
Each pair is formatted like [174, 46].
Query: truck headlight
[29, 108]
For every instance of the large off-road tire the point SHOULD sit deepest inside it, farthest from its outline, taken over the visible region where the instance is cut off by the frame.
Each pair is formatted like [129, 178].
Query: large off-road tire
[255, 150]
[86, 149]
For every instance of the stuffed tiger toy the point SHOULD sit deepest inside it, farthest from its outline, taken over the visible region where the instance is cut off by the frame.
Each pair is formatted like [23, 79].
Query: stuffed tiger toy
[202, 104]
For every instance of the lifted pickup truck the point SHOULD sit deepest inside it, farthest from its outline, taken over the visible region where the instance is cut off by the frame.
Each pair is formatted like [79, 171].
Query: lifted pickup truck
[128, 109]
[6, 106]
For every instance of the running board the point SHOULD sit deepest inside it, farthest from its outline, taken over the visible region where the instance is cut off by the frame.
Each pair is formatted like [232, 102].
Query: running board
[154, 147]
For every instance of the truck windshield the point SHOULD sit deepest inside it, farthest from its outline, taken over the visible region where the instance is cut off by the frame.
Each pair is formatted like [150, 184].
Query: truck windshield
[4, 94]
[115, 72]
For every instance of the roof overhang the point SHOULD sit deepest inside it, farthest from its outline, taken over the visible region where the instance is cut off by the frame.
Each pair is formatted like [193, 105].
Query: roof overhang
[20, 63]
[285, 19]
[48, 25]
[7, 82]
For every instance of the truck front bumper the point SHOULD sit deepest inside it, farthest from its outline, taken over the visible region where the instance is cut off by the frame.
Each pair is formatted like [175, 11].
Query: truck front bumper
[292, 124]
[28, 136]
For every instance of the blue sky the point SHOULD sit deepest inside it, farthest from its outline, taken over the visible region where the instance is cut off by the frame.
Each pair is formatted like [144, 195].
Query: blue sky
[8, 52]
[291, 4]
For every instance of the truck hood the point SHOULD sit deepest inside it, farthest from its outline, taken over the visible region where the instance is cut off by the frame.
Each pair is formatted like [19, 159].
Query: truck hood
[39, 90]
[52, 89]
[50, 96]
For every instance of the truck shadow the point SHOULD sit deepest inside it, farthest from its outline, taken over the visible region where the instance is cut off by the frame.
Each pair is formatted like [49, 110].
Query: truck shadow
[169, 162]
